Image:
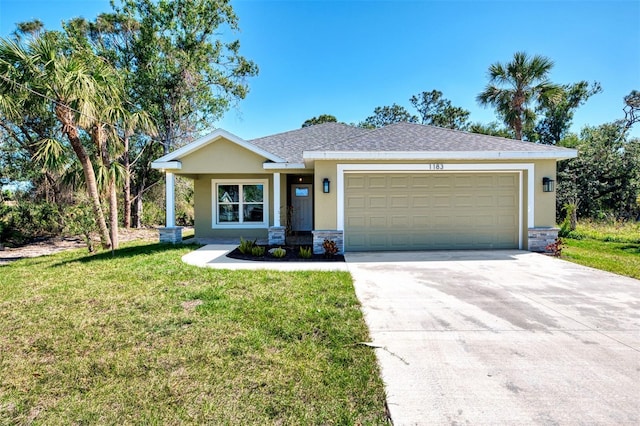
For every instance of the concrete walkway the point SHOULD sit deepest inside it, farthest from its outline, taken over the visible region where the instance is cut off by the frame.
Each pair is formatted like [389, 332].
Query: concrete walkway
[501, 337]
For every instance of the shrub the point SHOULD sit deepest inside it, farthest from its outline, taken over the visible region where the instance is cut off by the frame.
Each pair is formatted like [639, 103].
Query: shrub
[555, 248]
[305, 252]
[79, 220]
[330, 248]
[258, 251]
[278, 252]
[246, 246]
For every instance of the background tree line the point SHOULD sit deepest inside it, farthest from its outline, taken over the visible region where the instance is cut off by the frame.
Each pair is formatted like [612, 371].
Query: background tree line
[84, 110]
[602, 182]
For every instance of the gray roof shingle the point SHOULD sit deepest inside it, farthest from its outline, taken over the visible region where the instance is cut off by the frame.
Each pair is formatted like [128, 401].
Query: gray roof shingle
[398, 137]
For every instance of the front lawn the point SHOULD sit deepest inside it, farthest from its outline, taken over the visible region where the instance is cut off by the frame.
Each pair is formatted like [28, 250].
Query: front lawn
[144, 339]
[613, 247]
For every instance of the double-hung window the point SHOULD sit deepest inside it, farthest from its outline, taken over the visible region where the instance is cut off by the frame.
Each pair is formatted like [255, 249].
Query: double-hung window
[240, 203]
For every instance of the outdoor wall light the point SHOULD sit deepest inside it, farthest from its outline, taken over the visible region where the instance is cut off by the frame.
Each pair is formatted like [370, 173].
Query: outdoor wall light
[325, 185]
[547, 184]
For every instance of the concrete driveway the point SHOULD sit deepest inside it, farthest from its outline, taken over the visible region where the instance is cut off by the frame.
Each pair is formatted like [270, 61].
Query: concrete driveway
[501, 337]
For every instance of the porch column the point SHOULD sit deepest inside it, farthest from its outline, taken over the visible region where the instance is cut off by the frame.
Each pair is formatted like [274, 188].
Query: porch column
[276, 200]
[170, 233]
[171, 200]
[276, 232]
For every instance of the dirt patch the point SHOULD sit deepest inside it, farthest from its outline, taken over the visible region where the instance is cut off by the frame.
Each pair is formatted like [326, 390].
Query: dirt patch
[48, 246]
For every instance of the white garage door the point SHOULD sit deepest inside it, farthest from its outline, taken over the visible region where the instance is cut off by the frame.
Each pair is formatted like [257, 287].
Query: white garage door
[430, 211]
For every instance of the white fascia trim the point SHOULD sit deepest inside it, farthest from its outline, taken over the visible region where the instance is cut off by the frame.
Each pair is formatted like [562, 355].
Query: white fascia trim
[212, 137]
[458, 168]
[166, 165]
[273, 166]
[440, 155]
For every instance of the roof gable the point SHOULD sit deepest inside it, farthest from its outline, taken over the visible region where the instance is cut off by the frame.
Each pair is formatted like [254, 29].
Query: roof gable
[173, 158]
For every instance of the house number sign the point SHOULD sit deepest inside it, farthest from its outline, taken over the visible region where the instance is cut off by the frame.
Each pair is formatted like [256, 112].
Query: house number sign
[436, 166]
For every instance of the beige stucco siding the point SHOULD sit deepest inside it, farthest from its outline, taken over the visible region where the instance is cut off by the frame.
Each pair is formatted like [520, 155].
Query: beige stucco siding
[222, 156]
[545, 208]
[203, 192]
[325, 205]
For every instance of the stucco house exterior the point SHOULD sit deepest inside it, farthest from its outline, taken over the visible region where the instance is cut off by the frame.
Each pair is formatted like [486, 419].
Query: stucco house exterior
[401, 187]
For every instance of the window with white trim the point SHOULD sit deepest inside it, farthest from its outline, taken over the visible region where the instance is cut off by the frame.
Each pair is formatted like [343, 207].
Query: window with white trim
[240, 203]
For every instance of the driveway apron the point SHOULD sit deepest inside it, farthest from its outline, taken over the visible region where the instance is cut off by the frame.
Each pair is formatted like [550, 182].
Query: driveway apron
[501, 337]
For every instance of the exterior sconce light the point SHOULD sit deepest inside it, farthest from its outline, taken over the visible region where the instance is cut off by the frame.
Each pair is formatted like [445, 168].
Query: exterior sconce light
[547, 184]
[325, 185]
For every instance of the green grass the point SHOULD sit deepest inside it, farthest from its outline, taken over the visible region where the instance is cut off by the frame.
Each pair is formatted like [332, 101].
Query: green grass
[613, 247]
[142, 338]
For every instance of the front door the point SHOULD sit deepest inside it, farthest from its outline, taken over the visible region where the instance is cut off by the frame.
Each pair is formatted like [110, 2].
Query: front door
[301, 207]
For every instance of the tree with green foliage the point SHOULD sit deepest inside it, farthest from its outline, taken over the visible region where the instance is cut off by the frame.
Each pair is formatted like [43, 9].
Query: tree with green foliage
[435, 110]
[557, 114]
[492, 129]
[517, 87]
[322, 118]
[74, 84]
[604, 180]
[185, 76]
[385, 115]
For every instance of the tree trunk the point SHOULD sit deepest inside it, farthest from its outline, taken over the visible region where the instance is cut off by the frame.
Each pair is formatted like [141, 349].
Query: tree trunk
[100, 139]
[127, 184]
[138, 208]
[65, 116]
[113, 212]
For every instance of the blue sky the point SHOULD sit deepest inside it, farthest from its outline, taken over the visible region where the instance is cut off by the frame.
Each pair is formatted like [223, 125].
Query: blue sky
[346, 57]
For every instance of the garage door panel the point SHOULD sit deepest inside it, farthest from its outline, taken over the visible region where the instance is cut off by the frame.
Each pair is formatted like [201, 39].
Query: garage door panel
[400, 222]
[377, 182]
[399, 201]
[442, 201]
[405, 211]
[377, 202]
[354, 182]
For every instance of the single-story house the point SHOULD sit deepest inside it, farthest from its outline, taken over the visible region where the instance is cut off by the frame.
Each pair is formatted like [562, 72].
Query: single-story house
[400, 187]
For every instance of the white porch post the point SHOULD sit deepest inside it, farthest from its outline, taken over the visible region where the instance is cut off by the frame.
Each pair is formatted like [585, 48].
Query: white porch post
[171, 200]
[276, 199]
[170, 233]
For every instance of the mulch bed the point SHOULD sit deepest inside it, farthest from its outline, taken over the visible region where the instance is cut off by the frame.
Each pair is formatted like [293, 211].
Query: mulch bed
[291, 256]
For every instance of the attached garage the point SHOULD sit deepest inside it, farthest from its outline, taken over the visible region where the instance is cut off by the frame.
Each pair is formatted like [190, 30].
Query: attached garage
[431, 211]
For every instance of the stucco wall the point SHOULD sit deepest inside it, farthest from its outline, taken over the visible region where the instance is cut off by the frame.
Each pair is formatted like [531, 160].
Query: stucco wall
[545, 210]
[203, 208]
[223, 157]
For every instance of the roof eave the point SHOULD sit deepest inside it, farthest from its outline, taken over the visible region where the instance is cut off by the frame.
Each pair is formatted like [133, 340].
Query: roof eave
[310, 156]
[166, 165]
[283, 166]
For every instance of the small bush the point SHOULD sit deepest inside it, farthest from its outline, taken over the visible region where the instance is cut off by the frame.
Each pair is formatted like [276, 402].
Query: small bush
[258, 251]
[246, 246]
[330, 248]
[278, 252]
[555, 248]
[305, 252]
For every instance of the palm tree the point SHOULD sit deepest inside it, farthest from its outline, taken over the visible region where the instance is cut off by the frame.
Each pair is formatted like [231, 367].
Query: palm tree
[515, 86]
[74, 83]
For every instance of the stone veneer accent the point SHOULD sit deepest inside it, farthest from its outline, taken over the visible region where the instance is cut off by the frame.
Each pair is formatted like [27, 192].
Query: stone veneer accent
[320, 235]
[277, 235]
[540, 238]
[170, 235]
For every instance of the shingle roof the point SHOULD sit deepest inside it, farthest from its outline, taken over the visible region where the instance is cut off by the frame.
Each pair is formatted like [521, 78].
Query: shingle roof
[398, 137]
[290, 145]
[419, 137]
